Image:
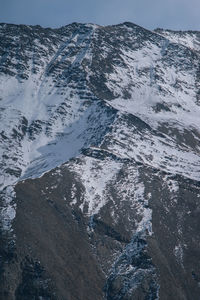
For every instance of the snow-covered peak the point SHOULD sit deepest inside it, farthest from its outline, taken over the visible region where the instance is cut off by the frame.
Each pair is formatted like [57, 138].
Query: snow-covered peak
[72, 87]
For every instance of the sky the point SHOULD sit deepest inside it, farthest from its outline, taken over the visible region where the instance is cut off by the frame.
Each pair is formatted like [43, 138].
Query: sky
[151, 14]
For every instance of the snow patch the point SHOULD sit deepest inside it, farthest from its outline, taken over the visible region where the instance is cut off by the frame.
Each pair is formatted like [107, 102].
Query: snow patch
[95, 176]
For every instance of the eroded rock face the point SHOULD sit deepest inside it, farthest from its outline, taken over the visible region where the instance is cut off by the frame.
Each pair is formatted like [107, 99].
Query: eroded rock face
[99, 163]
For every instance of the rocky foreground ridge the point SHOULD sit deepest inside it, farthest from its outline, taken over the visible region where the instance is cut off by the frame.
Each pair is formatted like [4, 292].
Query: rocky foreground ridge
[100, 163]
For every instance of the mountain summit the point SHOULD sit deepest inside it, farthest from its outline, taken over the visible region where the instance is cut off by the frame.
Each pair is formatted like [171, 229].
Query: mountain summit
[100, 163]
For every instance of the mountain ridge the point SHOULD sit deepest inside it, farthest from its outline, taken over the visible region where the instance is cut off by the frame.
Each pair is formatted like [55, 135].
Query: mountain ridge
[99, 133]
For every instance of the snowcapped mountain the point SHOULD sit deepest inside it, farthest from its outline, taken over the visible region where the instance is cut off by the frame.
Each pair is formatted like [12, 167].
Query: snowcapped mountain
[100, 162]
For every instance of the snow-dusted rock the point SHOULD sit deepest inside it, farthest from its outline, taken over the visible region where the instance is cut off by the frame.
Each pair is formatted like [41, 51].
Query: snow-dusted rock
[112, 113]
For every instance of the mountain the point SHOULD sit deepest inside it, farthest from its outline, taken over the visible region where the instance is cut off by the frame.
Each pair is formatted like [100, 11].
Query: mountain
[100, 163]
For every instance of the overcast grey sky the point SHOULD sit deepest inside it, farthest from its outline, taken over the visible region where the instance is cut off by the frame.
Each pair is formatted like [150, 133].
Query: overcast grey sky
[172, 14]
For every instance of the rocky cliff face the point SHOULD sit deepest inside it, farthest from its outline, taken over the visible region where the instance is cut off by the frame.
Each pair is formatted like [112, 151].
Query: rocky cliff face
[99, 163]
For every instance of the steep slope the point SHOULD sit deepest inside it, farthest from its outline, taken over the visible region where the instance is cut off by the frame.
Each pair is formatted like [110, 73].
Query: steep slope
[100, 162]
